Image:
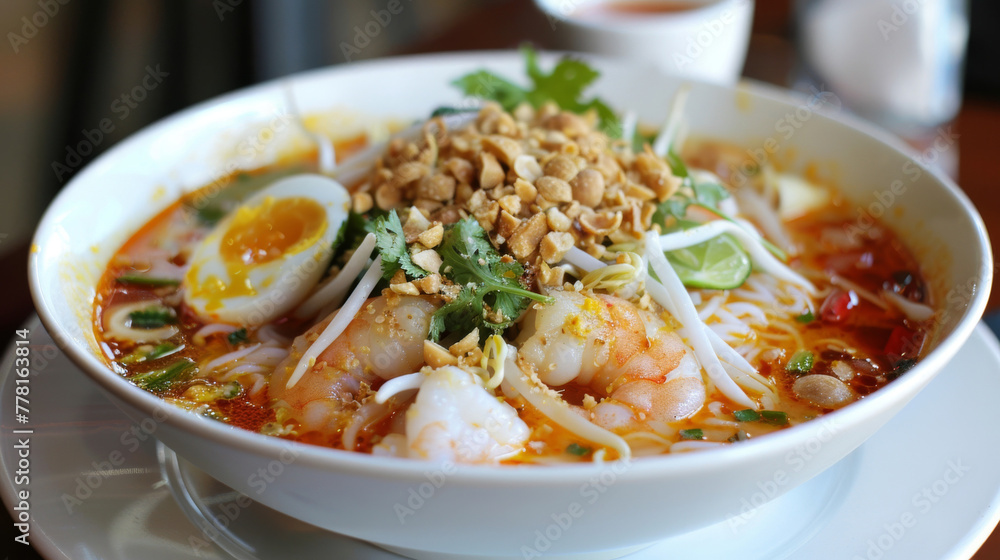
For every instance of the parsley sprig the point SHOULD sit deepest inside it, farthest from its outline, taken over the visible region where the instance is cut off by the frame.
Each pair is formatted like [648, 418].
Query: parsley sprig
[491, 295]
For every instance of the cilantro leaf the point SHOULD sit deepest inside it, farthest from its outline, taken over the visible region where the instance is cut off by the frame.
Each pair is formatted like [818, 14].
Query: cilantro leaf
[564, 86]
[391, 243]
[487, 85]
[491, 295]
[237, 337]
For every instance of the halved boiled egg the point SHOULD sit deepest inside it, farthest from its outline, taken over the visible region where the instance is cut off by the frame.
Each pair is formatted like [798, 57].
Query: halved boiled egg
[263, 258]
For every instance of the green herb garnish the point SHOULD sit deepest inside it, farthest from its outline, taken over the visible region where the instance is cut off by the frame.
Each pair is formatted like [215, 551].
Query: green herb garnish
[677, 165]
[774, 417]
[806, 316]
[142, 280]
[152, 317]
[232, 390]
[163, 378]
[801, 362]
[391, 243]
[564, 85]
[444, 111]
[746, 415]
[491, 295]
[147, 353]
[693, 433]
[577, 449]
[237, 337]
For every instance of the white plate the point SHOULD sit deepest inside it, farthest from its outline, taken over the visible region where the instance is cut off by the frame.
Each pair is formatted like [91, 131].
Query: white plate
[925, 486]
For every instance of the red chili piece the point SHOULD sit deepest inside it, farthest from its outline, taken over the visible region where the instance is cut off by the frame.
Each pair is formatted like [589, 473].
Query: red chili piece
[837, 305]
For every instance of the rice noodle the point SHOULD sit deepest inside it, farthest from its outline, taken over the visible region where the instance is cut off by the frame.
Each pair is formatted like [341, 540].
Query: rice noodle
[210, 329]
[245, 369]
[760, 256]
[846, 284]
[675, 295]
[683, 446]
[710, 307]
[339, 322]
[269, 335]
[550, 404]
[743, 309]
[370, 413]
[332, 293]
[399, 385]
[753, 205]
[647, 443]
[913, 310]
[229, 357]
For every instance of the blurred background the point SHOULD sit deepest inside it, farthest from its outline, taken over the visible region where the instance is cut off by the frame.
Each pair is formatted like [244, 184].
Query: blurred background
[79, 77]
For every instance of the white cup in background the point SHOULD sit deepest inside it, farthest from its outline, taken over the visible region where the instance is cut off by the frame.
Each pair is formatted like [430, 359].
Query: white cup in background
[704, 39]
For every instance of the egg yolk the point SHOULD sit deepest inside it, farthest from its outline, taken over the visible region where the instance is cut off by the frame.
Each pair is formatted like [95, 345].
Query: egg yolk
[271, 230]
[258, 235]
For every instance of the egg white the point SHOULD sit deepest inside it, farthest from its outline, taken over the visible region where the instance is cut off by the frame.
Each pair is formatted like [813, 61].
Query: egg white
[220, 290]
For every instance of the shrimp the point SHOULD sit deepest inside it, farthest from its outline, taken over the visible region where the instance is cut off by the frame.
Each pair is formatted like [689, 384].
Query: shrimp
[454, 418]
[628, 356]
[384, 341]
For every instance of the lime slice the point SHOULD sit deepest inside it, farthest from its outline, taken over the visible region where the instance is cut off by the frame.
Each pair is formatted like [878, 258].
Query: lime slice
[718, 264]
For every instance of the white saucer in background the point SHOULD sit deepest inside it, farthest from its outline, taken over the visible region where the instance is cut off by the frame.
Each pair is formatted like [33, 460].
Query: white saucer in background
[926, 486]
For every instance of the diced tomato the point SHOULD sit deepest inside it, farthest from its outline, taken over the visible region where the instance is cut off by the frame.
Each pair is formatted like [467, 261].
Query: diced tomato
[902, 343]
[837, 304]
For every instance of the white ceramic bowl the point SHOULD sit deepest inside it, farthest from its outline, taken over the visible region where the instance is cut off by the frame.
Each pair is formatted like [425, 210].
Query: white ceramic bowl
[432, 510]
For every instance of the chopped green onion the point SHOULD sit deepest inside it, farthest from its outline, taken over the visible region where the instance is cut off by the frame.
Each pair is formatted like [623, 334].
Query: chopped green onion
[237, 337]
[774, 417]
[232, 390]
[152, 317]
[577, 449]
[142, 280]
[147, 353]
[746, 415]
[693, 433]
[801, 362]
[806, 317]
[163, 378]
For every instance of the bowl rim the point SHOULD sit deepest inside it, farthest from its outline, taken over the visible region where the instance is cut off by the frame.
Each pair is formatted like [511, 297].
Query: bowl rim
[503, 475]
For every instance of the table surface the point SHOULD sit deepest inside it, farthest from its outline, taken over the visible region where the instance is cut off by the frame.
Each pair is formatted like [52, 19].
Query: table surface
[771, 58]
